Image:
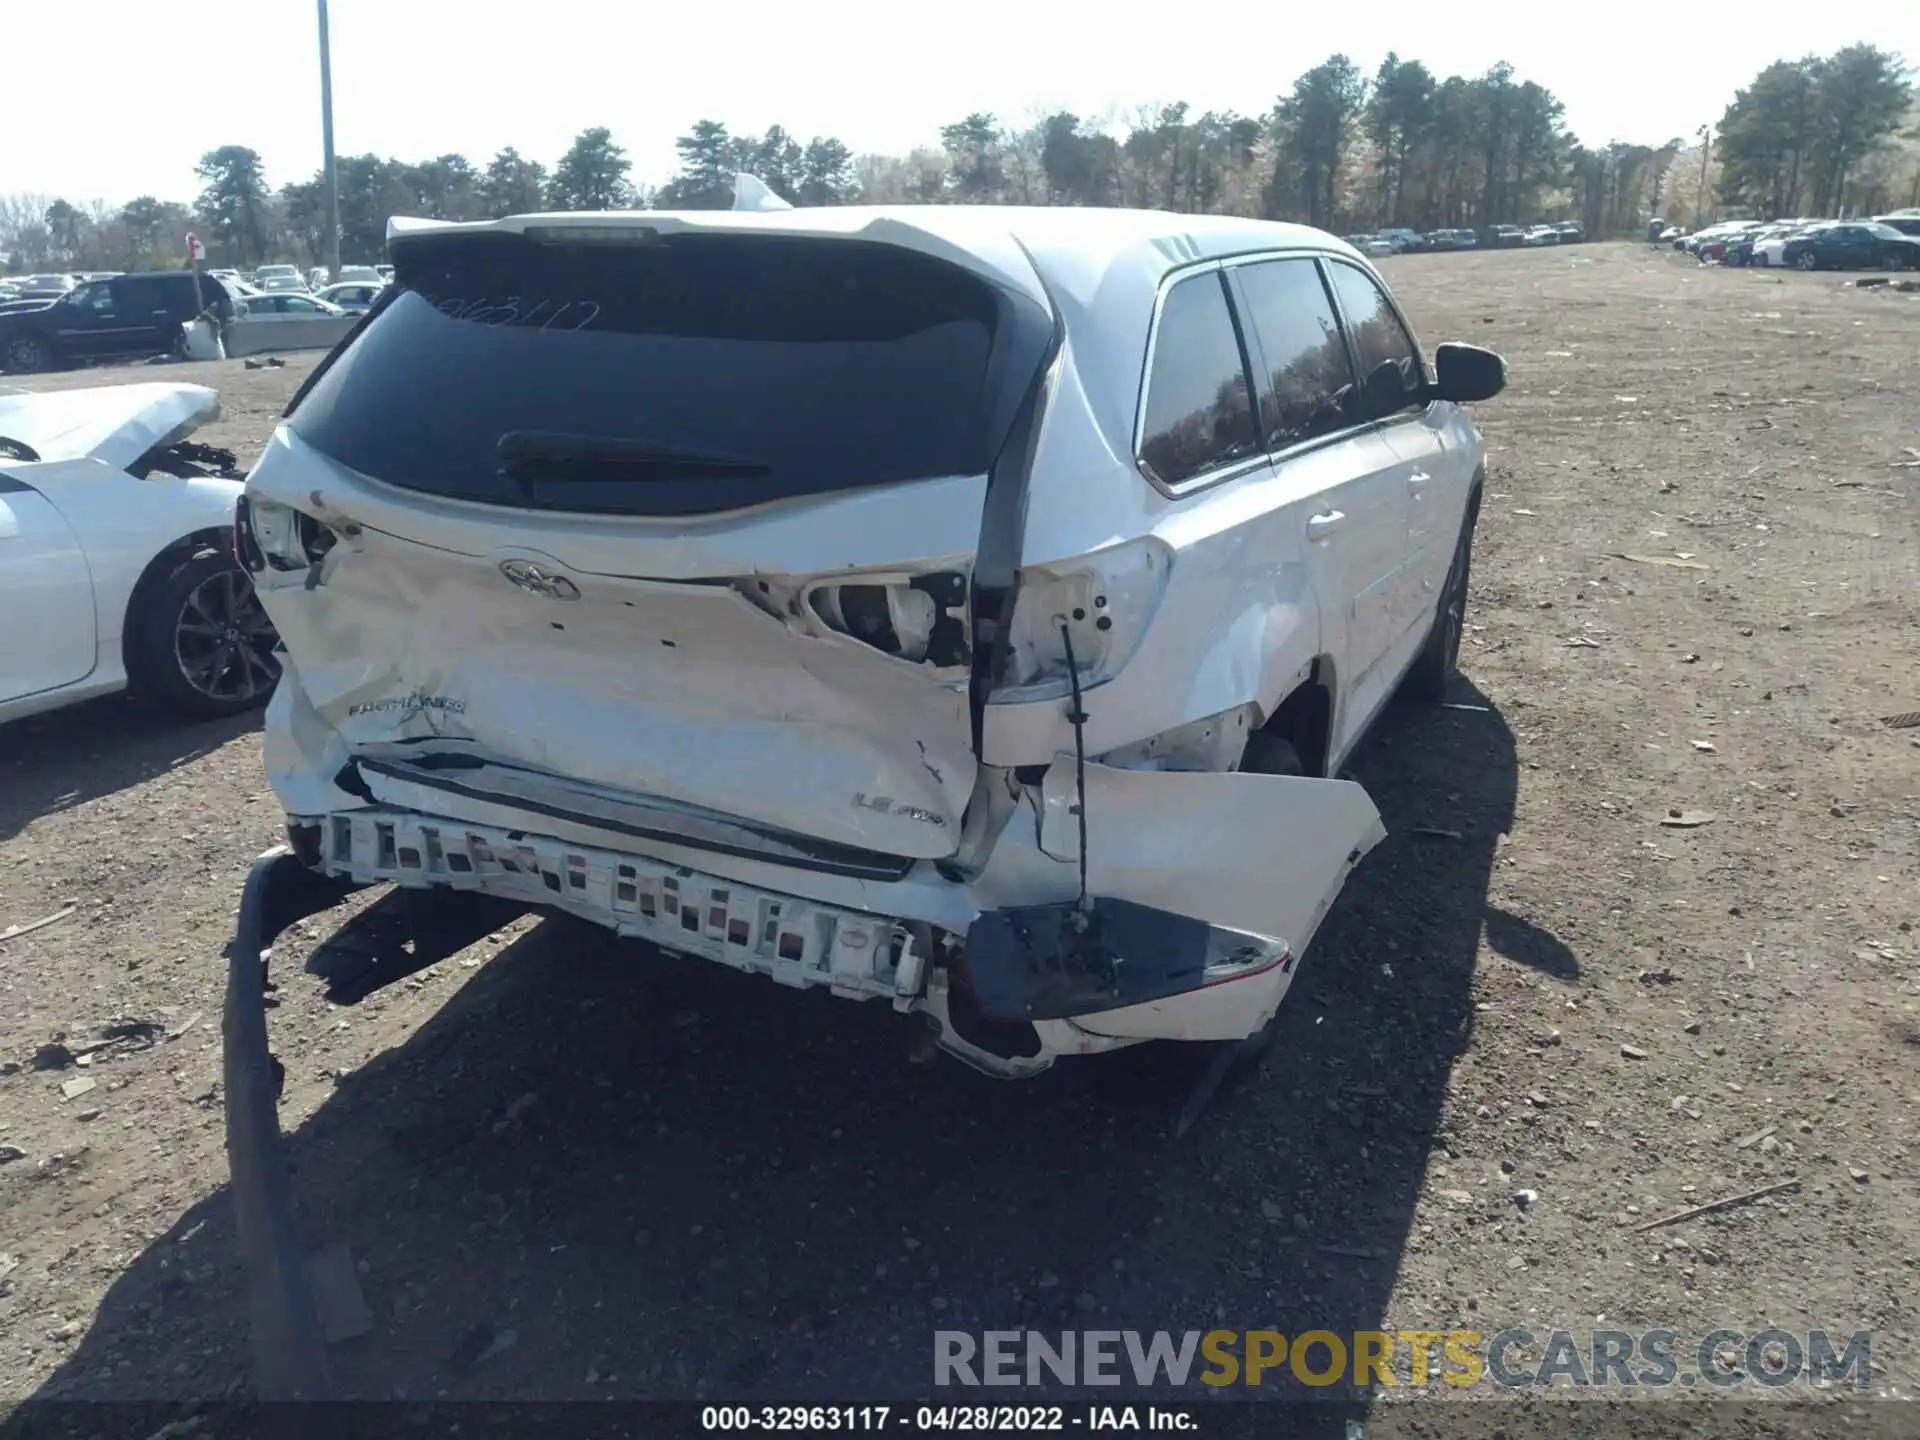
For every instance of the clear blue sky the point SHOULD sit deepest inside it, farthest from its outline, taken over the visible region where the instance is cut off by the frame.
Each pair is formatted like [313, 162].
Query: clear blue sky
[414, 78]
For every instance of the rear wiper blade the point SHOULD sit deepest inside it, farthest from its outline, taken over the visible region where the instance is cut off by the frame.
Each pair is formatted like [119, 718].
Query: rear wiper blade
[532, 453]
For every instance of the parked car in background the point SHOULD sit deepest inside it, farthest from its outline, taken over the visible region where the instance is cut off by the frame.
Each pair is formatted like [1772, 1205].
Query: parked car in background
[1570, 232]
[1451, 240]
[316, 277]
[385, 271]
[51, 282]
[1711, 234]
[814, 695]
[1404, 241]
[1540, 235]
[1374, 245]
[352, 297]
[279, 284]
[1850, 246]
[1737, 249]
[279, 302]
[1507, 236]
[360, 275]
[1905, 224]
[116, 545]
[275, 272]
[126, 318]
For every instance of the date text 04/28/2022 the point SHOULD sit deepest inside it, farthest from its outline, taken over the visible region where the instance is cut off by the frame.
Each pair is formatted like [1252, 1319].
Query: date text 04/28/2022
[940, 1419]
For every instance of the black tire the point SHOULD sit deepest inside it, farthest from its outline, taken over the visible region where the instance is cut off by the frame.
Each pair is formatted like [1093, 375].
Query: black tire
[1438, 662]
[199, 641]
[27, 354]
[1807, 260]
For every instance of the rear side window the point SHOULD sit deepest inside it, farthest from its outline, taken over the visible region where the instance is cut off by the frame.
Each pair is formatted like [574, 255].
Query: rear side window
[1198, 411]
[1309, 391]
[675, 376]
[1379, 340]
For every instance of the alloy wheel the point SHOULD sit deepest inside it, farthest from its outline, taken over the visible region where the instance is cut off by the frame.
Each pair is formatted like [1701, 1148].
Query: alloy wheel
[224, 642]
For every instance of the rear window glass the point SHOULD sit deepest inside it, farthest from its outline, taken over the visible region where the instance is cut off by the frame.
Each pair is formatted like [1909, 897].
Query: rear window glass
[690, 374]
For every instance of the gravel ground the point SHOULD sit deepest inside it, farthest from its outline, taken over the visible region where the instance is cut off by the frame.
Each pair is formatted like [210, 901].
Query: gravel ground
[1508, 1052]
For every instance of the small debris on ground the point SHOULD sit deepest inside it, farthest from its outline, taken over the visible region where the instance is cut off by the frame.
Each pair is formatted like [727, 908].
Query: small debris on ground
[337, 1295]
[1727, 1203]
[74, 1089]
[1675, 562]
[515, 1112]
[1705, 747]
[32, 925]
[1907, 720]
[53, 1056]
[1434, 833]
[10, 1153]
[481, 1344]
[1633, 1052]
[1686, 819]
[1860, 1176]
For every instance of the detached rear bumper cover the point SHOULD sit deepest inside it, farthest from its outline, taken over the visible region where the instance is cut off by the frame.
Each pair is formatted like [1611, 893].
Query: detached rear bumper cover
[289, 1355]
[1210, 886]
[1171, 857]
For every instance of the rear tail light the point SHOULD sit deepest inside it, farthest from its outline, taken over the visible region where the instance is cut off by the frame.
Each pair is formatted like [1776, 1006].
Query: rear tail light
[278, 537]
[1105, 601]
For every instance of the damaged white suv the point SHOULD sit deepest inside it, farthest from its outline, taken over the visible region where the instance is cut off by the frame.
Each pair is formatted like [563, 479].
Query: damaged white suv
[956, 606]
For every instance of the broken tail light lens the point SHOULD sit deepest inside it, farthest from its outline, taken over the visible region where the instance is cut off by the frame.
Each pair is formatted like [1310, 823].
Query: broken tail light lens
[922, 619]
[279, 537]
[1105, 601]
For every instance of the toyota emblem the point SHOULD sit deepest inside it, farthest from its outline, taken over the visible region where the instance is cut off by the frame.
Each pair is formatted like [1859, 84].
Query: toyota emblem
[538, 580]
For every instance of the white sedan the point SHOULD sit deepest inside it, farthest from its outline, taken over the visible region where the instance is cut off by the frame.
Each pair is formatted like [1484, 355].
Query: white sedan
[116, 555]
[353, 297]
[311, 307]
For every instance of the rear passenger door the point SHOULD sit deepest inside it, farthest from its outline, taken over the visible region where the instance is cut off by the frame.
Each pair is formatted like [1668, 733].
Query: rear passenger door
[152, 307]
[1431, 472]
[1347, 485]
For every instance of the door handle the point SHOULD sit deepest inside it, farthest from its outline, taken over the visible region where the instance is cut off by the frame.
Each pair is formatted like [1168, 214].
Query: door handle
[1322, 526]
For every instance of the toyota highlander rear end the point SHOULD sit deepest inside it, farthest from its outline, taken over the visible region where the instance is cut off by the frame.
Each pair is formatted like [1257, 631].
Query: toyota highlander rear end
[665, 570]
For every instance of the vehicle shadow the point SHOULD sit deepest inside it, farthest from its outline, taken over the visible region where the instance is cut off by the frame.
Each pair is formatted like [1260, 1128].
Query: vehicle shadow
[632, 1176]
[68, 757]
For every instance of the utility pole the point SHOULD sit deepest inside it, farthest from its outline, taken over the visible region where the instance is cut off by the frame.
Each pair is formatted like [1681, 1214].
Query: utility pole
[1699, 210]
[326, 140]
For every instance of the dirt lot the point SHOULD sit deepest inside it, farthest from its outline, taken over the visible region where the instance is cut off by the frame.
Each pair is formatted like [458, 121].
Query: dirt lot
[665, 1180]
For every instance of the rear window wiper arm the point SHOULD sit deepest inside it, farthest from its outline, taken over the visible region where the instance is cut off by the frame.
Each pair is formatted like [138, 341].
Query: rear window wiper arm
[533, 454]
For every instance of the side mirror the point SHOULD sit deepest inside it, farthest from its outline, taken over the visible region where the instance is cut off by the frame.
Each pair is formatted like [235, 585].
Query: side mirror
[1466, 373]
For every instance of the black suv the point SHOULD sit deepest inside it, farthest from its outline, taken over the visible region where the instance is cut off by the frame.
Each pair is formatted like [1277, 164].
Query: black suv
[126, 318]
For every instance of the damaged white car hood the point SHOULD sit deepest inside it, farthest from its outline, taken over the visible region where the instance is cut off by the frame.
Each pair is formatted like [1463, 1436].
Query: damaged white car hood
[114, 424]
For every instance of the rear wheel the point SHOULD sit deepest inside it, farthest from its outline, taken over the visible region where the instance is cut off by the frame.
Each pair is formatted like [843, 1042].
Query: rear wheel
[1807, 261]
[28, 354]
[1438, 662]
[201, 641]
